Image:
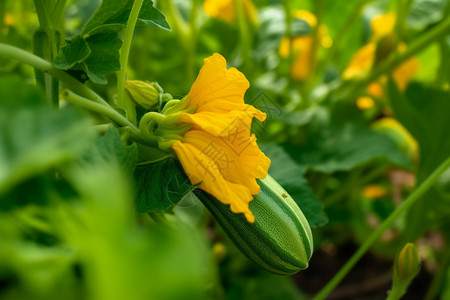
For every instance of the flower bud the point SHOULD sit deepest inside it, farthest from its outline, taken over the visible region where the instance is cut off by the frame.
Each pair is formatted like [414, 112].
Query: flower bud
[144, 94]
[408, 262]
[219, 251]
[406, 267]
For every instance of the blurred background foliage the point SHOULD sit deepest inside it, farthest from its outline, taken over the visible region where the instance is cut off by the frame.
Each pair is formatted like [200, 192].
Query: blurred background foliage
[353, 126]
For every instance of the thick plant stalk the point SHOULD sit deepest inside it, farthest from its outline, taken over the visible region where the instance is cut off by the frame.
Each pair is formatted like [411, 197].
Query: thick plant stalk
[124, 53]
[96, 107]
[45, 66]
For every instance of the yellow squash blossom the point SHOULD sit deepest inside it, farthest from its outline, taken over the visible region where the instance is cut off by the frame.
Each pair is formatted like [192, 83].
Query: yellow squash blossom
[363, 60]
[382, 25]
[374, 191]
[9, 20]
[302, 46]
[218, 151]
[364, 103]
[225, 10]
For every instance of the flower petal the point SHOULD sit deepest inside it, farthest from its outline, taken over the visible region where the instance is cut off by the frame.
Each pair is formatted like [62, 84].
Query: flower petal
[216, 82]
[382, 25]
[220, 9]
[236, 156]
[405, 72]
[202, 169]
[361, 62]
[221, 106]
[220, 124]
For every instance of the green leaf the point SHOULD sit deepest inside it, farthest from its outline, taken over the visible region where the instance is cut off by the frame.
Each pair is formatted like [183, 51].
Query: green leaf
[15, 94]
[302, 117]
[108, 148]
[35, 139]
[114, 12]
[425, 12]
[262, 287]
[147, 155]
[345, 147]
[74, 52]
[283, 168]
[151, 16]
[36, 191]
[105, 57]
[96, 50]
[97, 55]
[290, 176]
[424, 112]
[429, 61]
[32, 141]
[160, 185]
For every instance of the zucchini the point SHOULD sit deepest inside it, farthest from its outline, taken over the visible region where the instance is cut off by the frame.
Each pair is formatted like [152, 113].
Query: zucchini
[279, 240]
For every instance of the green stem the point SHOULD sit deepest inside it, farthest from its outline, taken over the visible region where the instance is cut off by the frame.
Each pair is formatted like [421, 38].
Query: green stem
[402, 12]
[45, 66]
[54, 86]
[160, 218]
[184, 33]
[109, 112]
[176, 20]
[45, 45]
[58, 13]
[396, 293]
[315, 47]
[191, 45]
[444, 52]
[288, 24]
[243, 31]
[385, 225]
[102, 127]
[42, 13]
[124, 53]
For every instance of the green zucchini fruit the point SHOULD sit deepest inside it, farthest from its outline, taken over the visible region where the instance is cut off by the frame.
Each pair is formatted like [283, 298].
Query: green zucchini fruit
[279, 240]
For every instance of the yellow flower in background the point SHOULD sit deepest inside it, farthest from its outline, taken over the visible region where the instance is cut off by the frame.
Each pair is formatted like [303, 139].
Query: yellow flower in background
[307, 16]
[363, 60]
[302, 46]
[9, 19]
[364, 103]
[405, 72]
[382, 25]
[375, 89]
[225, 10]
[218, 151]
[374, 191]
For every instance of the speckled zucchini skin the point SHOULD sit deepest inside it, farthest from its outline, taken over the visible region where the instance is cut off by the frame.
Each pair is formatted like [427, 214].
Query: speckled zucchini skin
[279, 240]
